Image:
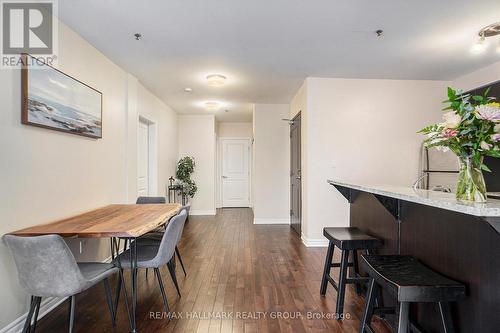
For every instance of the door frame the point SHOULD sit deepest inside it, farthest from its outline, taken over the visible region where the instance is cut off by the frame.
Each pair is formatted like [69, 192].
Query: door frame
[294, 119]
[219, 168]
[152, 153]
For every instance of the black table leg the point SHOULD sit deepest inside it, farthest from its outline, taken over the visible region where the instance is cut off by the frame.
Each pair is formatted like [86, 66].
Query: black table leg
[133, 279]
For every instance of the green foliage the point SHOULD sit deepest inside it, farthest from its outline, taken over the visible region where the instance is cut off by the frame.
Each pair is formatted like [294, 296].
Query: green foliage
[185, 167]
[468, 137]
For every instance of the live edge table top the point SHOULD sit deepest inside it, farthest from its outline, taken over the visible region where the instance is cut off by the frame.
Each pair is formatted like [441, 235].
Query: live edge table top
[109, 221]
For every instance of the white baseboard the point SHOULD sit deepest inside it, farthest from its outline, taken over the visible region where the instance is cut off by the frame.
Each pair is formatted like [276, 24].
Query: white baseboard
[202, 212]
[314, 242]
[270, 221]
[46, 306]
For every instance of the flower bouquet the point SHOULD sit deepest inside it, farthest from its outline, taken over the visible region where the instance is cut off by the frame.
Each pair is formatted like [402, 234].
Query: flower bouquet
[471, 130]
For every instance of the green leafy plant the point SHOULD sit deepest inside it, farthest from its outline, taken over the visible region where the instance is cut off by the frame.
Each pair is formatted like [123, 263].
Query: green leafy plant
[185, 167]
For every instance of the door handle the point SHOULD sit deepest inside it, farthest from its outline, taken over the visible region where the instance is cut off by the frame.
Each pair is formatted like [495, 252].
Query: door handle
[224, 177]
[298, 178]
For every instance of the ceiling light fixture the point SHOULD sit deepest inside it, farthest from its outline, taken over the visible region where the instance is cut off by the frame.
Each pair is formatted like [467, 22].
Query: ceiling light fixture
[479, 46]
[212, 106]
[188, 90]
[216, 80]
[486, 32]
[137, 36]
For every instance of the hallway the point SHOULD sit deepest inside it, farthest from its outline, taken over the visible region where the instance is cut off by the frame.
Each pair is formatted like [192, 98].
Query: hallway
[241, 278]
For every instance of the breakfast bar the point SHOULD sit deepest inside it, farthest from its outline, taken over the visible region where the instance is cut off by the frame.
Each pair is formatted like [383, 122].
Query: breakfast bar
[460, 240]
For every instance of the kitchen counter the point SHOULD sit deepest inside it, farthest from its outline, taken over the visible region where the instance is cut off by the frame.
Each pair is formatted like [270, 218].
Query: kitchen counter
[457, 239]
[430, 198]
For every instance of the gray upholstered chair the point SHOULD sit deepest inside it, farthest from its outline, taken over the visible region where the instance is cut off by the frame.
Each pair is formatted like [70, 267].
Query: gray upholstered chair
[154, 237]
[47, 268]
[156, 255]
[150, 200]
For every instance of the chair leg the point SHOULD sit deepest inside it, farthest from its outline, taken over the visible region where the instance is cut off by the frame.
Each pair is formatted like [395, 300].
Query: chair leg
[371, 296]
[404, 313]
[27, 323]
[326, 269]
[180, 259]
[341, 291]
[71, 313]
[356, 270]
[445, 311]
[147, 270]
[109, 299]
[37, 310]
[171, 269]
[162, 289]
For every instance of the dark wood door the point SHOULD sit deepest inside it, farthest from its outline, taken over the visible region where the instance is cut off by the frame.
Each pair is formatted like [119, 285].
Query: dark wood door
[295, 175]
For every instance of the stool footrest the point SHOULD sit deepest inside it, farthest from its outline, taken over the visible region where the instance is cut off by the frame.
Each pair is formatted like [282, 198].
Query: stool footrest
[337, 264]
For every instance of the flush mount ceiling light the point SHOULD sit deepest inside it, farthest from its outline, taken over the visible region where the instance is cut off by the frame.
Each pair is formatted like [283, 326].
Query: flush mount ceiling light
[491, 30]
[188, 90]
[212, 106]
[216, 80]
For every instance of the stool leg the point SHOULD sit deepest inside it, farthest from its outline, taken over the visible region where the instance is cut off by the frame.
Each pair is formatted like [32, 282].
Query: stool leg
[341, 291]
[326, 270]
[370, 302]
[404, 313]
[356, 270]
[444, 310]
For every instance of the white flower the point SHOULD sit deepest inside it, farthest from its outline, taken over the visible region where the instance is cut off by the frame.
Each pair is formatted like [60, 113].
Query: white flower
[495, 137]
[485, 146]
[451, 119]
[489, 112]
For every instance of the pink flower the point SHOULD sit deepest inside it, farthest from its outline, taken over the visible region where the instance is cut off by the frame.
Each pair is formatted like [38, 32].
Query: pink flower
[489, 112]
[450, 133]
[495, 137]
[485, 146]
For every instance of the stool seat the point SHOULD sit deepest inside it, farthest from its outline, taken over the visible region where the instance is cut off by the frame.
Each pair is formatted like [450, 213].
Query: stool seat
[350, 238]
[411, 281]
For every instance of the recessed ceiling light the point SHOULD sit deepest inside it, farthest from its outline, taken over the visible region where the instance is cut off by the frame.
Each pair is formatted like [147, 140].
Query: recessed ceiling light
[212, 106]
[216, 80]
[188, 89]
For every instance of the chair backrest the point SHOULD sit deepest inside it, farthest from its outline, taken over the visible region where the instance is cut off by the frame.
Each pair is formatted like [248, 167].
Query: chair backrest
[150, 200]
[185, 208]
[169, 239]
[45, 265]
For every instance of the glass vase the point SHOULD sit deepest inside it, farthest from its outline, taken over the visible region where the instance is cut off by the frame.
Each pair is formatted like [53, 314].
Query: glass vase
[471, 185]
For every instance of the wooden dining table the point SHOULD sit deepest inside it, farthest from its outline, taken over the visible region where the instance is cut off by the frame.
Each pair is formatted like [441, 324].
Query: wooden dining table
[116, 221]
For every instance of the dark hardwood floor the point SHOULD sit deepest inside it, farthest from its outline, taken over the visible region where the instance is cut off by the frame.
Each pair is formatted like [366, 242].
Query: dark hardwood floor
[241, 277]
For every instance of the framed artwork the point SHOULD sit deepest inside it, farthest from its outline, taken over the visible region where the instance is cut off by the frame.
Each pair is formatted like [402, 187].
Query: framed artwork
[57, 101]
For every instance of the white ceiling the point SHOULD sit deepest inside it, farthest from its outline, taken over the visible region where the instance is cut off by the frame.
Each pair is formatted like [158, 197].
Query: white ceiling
[267, 47]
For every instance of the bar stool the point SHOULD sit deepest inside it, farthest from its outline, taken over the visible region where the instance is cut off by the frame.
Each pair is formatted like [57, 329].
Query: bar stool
[347, 240]
[409, 281]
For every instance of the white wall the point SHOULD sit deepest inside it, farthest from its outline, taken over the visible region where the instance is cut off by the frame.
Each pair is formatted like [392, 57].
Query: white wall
[271, 164]
[478, 78]
[235, 129]
[48, 175]
[361, 131]
[197, 139]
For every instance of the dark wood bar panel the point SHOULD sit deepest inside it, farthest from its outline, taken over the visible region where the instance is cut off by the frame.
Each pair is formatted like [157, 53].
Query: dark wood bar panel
[453, 240]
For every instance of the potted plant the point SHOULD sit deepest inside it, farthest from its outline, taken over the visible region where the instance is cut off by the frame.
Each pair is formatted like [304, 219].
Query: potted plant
[471, 130]
[185, 167]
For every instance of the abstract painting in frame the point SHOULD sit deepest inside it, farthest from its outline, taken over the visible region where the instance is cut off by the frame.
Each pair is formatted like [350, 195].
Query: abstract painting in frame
[54, 100]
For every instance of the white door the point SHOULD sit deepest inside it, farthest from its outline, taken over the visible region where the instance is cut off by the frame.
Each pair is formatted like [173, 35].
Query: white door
[143, 159]
[235, 172]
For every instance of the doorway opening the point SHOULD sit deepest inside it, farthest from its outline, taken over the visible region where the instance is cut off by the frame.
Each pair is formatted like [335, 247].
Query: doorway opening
[147, 166]
[295, 174]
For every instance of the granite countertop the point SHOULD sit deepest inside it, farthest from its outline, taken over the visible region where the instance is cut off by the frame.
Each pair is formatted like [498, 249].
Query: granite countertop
[430, 198]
